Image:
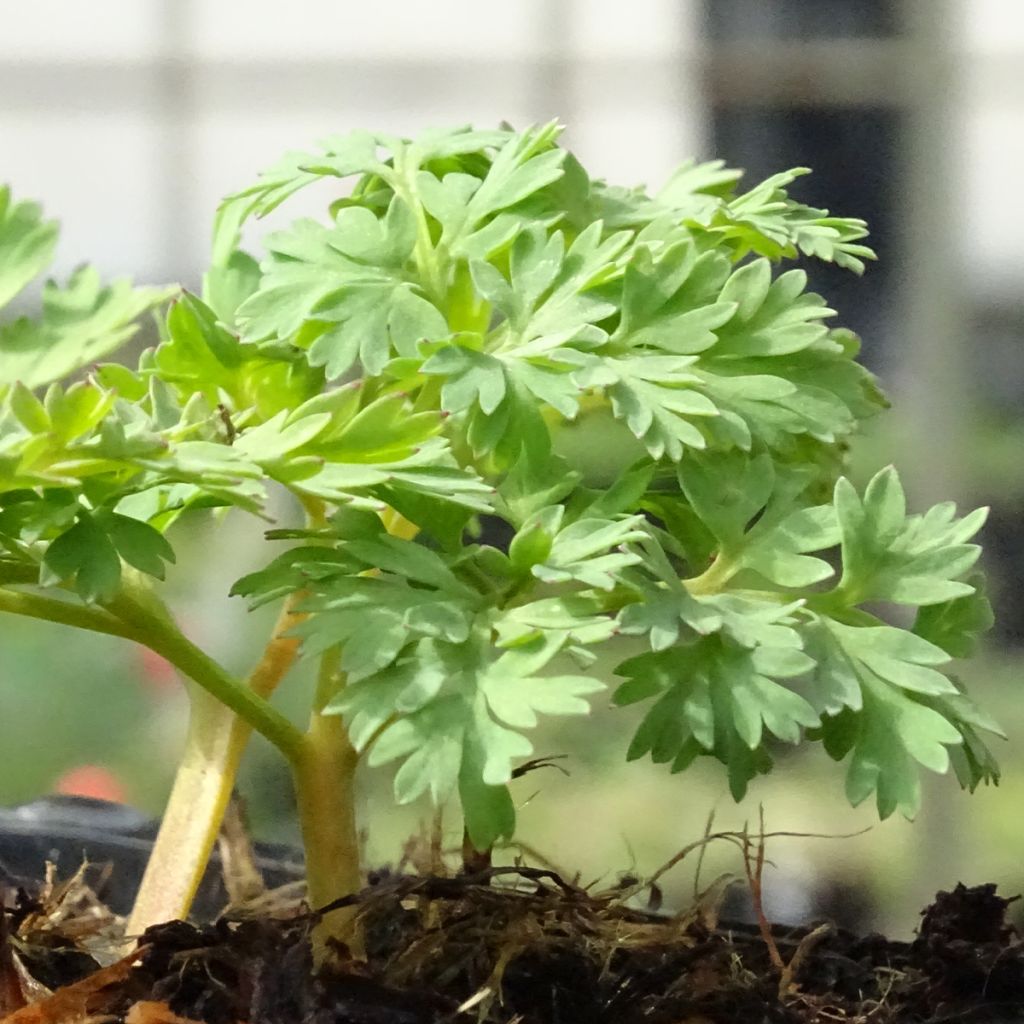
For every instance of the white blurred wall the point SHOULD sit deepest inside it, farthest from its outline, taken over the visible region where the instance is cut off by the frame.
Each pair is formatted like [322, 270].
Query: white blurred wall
[992, 144]
[131, 118]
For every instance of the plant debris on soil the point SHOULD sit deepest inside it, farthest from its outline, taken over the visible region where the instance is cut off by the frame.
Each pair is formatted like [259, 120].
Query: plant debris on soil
[501, 946]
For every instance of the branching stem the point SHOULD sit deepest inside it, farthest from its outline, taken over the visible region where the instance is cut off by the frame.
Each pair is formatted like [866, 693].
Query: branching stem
[223, 713]
[214, 745]
[161, 634]
[66, 613]
[713, 579]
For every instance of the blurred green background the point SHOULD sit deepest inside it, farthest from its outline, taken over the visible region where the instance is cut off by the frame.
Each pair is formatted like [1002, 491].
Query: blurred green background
[911, 114]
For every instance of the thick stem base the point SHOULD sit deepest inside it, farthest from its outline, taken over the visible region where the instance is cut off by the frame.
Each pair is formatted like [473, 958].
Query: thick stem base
[325, 789]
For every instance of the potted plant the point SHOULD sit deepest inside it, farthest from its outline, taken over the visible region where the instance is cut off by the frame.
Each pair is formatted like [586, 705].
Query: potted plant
[432, 359]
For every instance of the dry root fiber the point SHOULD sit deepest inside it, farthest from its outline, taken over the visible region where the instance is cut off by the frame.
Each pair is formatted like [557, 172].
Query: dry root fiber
[504, 946]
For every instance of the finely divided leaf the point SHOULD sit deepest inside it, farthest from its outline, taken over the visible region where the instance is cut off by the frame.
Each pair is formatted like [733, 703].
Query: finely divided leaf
[79, 324]
[716, 699]
[452, 713]
[889, 556]
[957, 625]
[26, 244]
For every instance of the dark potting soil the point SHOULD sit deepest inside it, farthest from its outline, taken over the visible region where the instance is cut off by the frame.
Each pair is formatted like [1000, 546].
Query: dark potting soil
[512, 946]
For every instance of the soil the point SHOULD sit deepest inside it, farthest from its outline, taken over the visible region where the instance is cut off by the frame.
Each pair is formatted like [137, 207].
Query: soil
[503, 946]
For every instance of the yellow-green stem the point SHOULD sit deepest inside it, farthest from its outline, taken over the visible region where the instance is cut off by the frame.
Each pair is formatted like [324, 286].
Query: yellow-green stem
[161, 634]
[324, 776]
[214, 745]
[66, 613]
[325, 792]
[137, 614]
[429, 262]
[192, 817]
[714, 578]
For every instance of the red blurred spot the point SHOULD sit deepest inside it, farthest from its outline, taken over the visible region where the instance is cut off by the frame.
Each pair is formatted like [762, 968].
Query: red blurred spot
[91, 780]
[157, 672]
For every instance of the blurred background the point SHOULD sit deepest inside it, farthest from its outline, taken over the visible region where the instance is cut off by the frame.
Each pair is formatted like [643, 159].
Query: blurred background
[129, 119]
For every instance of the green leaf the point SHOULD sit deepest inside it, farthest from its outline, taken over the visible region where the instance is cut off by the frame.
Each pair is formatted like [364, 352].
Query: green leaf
[413, 594]
[337, 156]
[889, 556]
[626, 492]
[199, 354]
[591, 551]
[656, 398]
[956, 625]
[758, 619]
[498, 400]
[472, 379]
[665, 609]
[516, 696]
[77, 410]
[347, 285]
[374, 619]
[226, 286]
[727, 491]
[760, 517]
[26, 244]
[895, 734]
[27, 409]
[429, 743]
[488, 811]
[776, 547]
[295, 569]
[581, 617]
[972, 761]
[893, 655]
[718, 700]
[550, 306]
[672, 302]
[80, 324]
[277, 439]
[452, 713]
[772, 318]
[409, 560]
[216, 470]
[532, 543]
[524, 165]
[87, 555]
[533, 482]
[883, 699]
[138, 543]
[766, 221]
[554, 295]
[836, 679]
[696, 190]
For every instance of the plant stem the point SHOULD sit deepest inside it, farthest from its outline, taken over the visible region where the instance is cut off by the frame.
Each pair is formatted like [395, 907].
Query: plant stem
[429, 261]
[223, 713]
[163, 636]
[147, 622]
[66, 613]
[324, 776]
[192, 817]
[214, 745]
[466, 310]
[713, 579]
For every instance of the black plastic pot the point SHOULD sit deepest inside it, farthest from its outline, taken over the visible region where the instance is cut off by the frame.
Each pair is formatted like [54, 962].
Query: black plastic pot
[67, 830]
